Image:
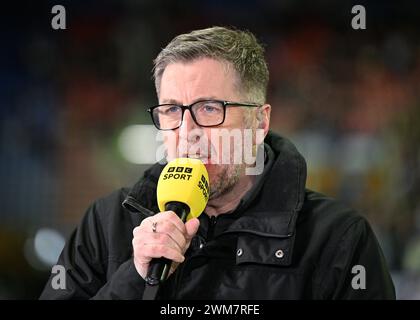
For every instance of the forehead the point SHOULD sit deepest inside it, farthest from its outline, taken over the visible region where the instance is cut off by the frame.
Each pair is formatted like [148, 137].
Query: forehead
[200, 78]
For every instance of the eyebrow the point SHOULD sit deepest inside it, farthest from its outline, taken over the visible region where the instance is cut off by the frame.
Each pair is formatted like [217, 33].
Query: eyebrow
[173, 101]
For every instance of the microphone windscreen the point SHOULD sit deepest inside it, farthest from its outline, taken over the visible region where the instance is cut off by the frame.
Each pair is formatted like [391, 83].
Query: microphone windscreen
[184, 180]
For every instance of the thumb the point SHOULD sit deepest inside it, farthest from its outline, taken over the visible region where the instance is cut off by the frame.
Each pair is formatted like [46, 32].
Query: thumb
[192, 227]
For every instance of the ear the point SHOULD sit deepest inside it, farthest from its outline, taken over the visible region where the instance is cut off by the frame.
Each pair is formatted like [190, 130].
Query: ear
[263, 117]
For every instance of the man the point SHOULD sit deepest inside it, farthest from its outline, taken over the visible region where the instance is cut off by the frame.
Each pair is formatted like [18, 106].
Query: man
[261, 236]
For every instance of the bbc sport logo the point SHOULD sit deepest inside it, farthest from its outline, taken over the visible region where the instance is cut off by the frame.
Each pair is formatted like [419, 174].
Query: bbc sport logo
[180, 169]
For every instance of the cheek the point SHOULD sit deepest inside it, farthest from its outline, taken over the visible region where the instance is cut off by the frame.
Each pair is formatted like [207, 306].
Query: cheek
[229, 143]
[170, 139]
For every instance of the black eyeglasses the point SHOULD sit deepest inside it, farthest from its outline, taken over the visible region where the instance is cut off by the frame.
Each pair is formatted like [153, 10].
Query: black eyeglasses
[206, 113]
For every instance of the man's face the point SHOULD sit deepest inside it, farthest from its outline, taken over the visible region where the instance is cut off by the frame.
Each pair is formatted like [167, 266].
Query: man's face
[204, 79]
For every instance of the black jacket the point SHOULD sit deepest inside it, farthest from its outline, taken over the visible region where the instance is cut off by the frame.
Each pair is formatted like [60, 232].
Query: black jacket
[282, 242]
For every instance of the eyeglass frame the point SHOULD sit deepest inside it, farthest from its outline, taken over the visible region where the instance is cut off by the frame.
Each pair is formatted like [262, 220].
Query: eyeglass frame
[188, 107]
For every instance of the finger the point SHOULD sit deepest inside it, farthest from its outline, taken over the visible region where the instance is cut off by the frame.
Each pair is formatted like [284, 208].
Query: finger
[192, 226]
[158, 219]
[175, 240]
[172, 217]
[159, 251]
[137, 230]
[163, 227]
[161, 239]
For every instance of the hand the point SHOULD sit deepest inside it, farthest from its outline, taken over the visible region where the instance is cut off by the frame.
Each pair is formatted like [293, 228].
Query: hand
[171, 240]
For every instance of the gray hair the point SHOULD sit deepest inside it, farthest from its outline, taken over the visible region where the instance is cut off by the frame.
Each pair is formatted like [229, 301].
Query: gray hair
[238, 48]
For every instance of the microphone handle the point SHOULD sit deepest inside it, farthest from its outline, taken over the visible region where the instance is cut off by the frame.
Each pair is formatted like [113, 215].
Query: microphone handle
[159, 267]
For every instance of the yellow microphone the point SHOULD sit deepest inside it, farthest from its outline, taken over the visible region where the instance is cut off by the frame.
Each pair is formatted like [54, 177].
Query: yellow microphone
[184, 182]
[183, 187]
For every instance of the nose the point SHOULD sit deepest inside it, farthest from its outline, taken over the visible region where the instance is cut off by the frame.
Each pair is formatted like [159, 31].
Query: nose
[188, 125]
[188, 122]
[189, 132]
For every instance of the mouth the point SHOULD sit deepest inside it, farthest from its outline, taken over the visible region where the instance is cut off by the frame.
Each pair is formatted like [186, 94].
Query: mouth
[205, 154]
[203, 157]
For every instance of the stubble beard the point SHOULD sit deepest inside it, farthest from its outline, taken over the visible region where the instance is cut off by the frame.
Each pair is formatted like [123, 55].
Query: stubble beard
[225, 181]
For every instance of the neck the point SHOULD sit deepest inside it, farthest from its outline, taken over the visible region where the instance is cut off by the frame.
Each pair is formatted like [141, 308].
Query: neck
[229, 201]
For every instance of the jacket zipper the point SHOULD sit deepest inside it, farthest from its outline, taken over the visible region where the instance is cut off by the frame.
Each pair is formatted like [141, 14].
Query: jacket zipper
[180, 270]
[210, 230]
[133, 203]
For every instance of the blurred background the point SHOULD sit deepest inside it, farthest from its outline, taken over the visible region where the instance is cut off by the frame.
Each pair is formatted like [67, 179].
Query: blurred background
[73, 125]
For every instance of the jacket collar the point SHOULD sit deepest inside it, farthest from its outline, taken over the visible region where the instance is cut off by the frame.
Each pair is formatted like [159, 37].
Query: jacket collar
[273, 212]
